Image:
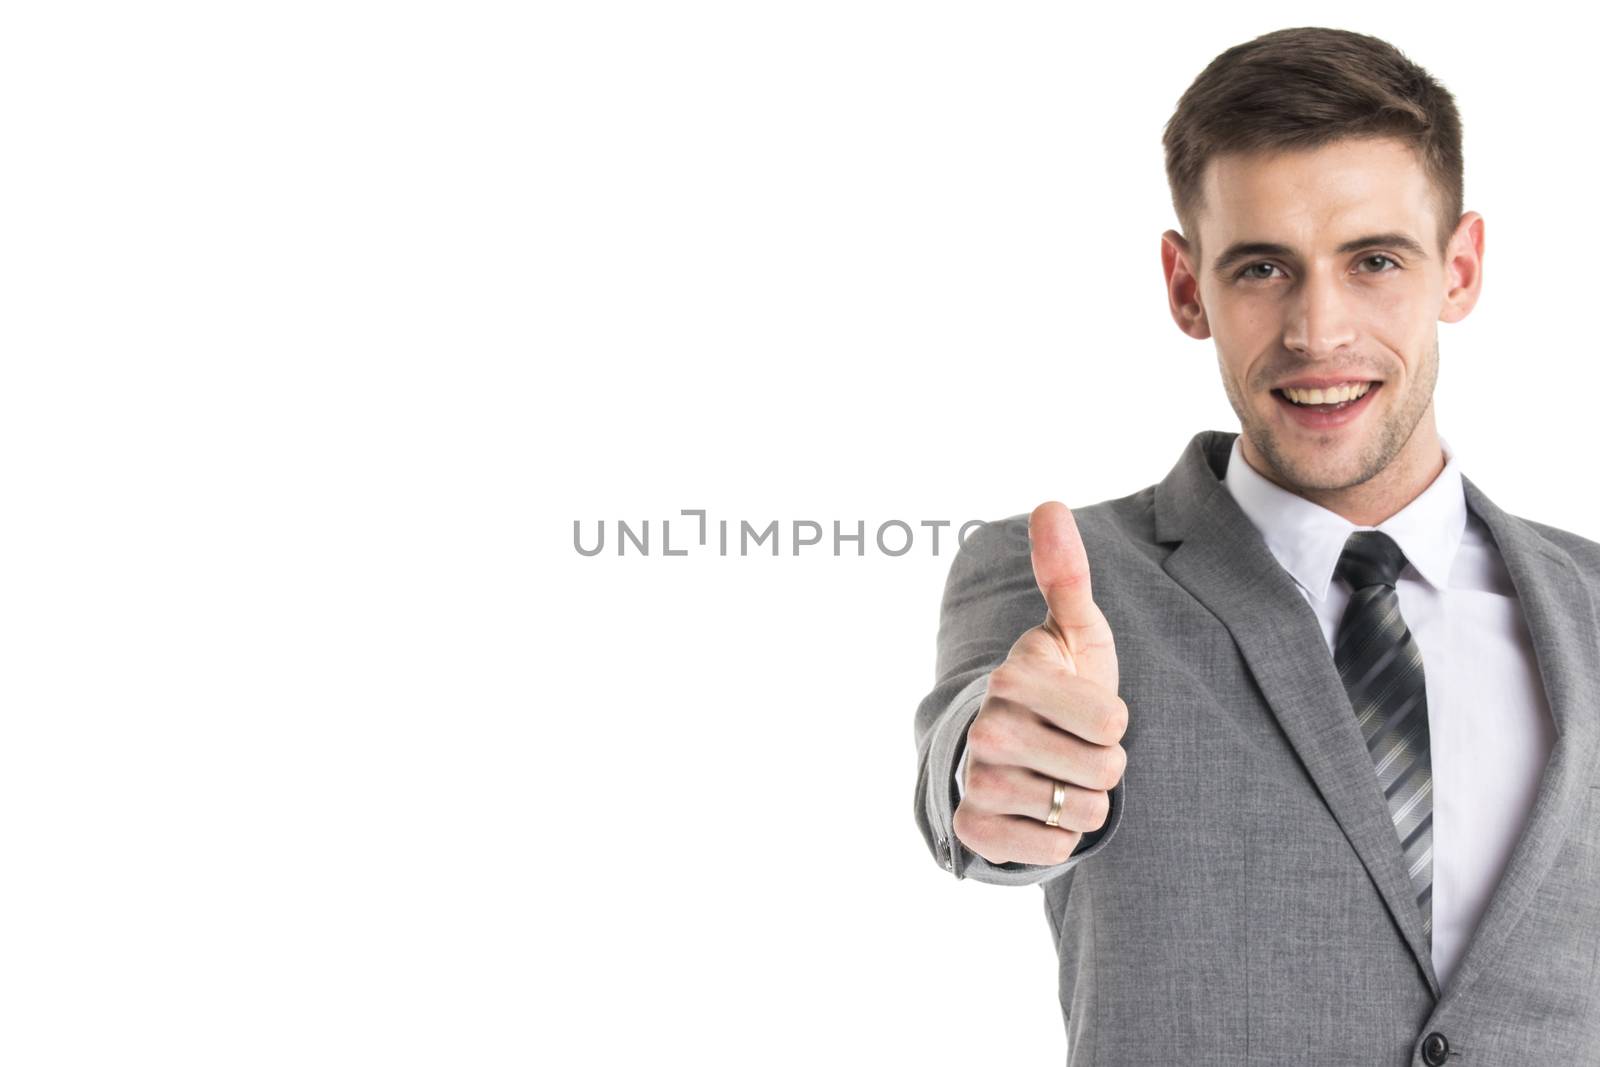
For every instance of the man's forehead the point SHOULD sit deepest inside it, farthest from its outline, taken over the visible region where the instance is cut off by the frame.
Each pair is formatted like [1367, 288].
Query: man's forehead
[1317, 198]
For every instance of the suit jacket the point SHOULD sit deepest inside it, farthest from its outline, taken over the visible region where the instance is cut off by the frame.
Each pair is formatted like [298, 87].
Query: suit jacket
[1246, 900]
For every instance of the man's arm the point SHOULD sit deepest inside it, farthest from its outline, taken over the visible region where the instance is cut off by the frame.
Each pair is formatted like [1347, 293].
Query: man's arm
[990, 599]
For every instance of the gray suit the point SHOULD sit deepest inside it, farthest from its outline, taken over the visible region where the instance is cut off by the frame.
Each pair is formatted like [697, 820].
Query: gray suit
[1246, 900]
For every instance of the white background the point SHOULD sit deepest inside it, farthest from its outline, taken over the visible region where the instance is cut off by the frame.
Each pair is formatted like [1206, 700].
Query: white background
[324, 322]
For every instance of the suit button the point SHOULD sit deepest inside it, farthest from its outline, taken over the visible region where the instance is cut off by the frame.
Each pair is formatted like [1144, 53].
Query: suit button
[1434, 1049]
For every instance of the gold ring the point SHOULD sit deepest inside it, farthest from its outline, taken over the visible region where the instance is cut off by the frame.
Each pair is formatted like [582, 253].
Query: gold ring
[1060, 797]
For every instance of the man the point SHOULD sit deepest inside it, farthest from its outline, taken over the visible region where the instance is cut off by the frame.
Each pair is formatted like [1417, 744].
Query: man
[1307, 771]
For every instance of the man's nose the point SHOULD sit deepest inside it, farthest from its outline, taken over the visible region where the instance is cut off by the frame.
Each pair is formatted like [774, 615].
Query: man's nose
[1319, 319]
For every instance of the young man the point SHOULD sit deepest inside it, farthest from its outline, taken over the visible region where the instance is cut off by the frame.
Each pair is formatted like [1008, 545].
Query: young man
[1308, 771]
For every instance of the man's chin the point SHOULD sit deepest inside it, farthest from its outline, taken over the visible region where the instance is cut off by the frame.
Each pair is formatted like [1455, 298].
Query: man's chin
[1304, 463]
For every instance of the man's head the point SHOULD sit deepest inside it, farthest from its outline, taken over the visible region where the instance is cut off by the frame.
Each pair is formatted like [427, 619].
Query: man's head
[1317, 175]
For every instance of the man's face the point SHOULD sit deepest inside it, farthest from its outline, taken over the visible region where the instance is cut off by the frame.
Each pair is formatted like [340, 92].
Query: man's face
[1320, 267]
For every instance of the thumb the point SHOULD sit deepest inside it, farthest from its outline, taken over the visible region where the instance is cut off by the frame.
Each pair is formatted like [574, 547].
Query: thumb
[1061, 569]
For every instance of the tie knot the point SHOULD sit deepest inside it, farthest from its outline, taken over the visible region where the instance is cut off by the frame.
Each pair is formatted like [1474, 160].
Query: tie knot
[1370, 557]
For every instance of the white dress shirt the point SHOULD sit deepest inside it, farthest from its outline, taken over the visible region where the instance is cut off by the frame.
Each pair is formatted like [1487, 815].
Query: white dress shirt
[1489, 726]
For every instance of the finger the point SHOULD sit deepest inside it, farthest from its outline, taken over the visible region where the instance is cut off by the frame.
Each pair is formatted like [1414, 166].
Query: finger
[1061, 570]
[1014, 838]
[1077, 705]
[1000, 790]
[1060, 565]
[1013, 736]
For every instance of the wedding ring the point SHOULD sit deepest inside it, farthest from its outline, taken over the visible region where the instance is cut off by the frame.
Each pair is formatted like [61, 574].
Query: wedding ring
[1060, 797]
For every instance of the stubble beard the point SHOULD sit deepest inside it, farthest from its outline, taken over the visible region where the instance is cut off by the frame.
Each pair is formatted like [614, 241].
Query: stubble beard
[1299, 471]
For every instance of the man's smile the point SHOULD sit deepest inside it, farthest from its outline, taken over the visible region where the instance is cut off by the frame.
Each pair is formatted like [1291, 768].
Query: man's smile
[1326, 408]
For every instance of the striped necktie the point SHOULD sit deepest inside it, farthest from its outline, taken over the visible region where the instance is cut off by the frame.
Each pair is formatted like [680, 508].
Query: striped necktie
[1381, 667]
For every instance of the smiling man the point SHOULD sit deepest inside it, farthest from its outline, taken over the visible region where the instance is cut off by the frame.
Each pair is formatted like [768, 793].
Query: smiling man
[1333, 269]
[1301, 742]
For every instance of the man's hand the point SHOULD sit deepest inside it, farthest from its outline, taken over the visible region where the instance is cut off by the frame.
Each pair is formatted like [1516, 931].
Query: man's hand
[1052, 713]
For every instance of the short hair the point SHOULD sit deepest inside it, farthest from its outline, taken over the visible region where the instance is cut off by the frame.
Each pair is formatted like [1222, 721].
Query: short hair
[1303, 88]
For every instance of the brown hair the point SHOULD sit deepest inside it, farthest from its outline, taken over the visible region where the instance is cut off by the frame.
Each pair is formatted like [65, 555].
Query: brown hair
[1304, 88]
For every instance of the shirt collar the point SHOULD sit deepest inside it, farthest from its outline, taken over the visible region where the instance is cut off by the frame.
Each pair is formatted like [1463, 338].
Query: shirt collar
[1307, 539]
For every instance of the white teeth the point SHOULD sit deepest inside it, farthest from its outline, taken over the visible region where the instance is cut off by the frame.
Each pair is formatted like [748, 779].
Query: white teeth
[1337, 395]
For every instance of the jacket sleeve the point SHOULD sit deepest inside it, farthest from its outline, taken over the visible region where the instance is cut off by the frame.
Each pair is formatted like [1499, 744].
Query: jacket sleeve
[989, 600]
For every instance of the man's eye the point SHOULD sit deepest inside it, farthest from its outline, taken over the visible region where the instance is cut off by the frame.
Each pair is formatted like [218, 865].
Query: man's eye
[1250, 271]
[1380, 259]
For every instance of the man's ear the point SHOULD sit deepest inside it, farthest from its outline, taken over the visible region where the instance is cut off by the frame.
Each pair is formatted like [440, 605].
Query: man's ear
[1178, 263]
[1463, 268]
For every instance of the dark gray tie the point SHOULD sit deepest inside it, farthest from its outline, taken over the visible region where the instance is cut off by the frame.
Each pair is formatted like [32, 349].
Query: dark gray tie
[1381, 667]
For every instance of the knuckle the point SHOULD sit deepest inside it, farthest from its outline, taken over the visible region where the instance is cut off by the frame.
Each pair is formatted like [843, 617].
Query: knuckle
[974, 831]
[1003, 681]
[961, 824]
[1116, 721]
[981, 738]
[1116, 761]
[986, 736]
[1099, 805]
[1062, 847]
[983, 780]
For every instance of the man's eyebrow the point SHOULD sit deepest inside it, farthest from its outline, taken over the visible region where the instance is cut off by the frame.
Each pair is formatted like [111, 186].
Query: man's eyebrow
[1235, 253]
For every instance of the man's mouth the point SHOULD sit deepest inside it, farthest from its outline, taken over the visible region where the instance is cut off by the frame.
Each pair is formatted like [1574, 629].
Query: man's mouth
[1326, 408]
[1326, 399]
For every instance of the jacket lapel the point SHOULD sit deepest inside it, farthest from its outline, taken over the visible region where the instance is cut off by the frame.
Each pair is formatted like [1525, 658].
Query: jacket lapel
[1224, 562]
[1559, 611]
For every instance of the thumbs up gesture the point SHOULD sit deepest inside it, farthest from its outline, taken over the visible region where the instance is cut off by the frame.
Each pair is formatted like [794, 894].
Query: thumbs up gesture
[1051, 721]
